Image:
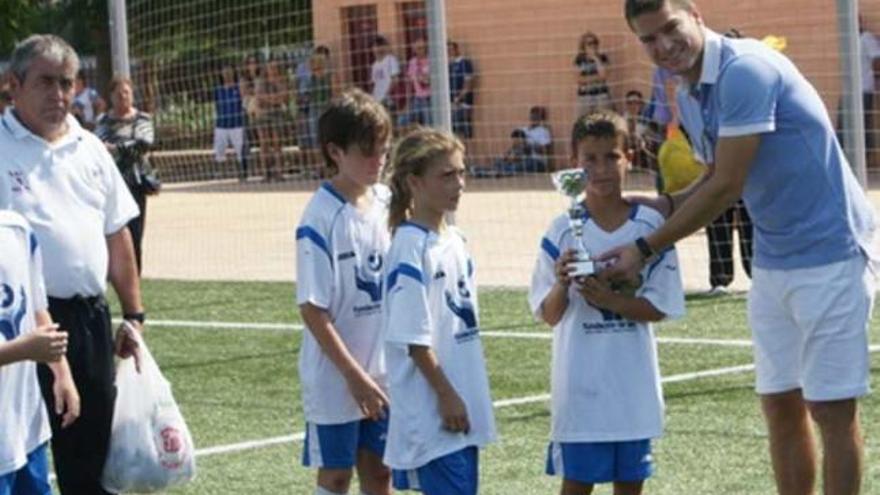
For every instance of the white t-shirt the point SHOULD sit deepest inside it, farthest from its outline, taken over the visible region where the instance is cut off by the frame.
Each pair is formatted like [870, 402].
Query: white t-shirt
[73, 196]
[384, 72]
[340, 254]
[870, 50]
[432, 301]
[605, 383]
[24, 425]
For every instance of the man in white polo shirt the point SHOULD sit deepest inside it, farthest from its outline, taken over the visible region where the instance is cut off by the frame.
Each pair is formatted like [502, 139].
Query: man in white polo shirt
[813, 275]
[63, 181]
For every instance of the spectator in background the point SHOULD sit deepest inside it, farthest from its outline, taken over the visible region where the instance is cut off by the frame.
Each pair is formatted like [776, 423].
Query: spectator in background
[870, 51]
[462, 80]
[87, 103]
[660, 113]
[229, 123]
[539, 138]
[519, 157]
[320, 92]
[384, 72]
[273, 96]
[248, 87]
[129, 134]
[418, 74]
[591, 65]
[639, 128]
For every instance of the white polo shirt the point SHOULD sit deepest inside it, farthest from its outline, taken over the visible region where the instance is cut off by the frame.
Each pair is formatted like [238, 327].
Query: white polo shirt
[73, 196]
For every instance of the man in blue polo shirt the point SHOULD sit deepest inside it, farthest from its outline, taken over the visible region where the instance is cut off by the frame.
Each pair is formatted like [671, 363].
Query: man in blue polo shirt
[229, 126]
[813, 275]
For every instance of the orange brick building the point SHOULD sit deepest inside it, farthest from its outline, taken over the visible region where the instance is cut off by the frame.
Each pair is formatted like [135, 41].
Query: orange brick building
[524, 50]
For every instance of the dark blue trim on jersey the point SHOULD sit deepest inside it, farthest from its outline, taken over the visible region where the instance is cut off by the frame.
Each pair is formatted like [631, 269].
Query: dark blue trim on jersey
[407, 270]
[311, 234]
[549, 248]
[634, 211]
[332, 190]
[407, 223]
[33, 244]
[470, 268]
[656, 262]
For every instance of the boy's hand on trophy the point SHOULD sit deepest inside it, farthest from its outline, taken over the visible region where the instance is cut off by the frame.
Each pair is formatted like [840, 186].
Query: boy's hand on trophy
[563, 267]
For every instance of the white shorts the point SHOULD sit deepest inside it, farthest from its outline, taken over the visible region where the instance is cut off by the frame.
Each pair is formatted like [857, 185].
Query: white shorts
[810, 329]
[228, 137]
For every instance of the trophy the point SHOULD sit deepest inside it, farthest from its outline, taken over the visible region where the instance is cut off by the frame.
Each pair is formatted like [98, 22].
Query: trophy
[571, 182]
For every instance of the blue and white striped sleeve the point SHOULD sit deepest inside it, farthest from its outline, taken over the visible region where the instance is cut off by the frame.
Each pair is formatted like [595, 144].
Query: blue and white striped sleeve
[314, 266]
[748, 91]
[408, 316]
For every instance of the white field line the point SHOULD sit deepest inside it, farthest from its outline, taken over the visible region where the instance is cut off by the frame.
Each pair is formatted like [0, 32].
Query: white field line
[298, 437]
[486, 333]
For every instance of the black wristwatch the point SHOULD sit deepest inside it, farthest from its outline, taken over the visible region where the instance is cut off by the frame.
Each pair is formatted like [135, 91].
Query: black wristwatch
[645, 249]
[138, 317]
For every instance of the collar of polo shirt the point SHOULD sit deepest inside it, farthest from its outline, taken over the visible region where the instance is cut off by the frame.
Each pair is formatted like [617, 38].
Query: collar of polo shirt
[711, 58]
[19, 131]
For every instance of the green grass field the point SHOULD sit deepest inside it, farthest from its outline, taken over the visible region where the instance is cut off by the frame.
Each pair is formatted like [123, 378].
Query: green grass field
[237, 385]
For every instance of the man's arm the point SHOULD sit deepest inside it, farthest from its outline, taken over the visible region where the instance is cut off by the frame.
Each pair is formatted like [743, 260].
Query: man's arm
[123, 273]
[734, 157]
[368, 395]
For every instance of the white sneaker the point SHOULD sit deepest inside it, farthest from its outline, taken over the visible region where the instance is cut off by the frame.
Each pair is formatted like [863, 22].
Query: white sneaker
[717, 290]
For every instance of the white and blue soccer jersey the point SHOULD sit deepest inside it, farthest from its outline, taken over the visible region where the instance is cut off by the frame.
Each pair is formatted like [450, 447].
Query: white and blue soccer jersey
[432, 301]
[340, 253]
[24, 425]
[605, 382]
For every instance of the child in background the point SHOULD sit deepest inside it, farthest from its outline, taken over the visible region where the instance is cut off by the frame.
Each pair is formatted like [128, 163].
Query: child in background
[437, 373]
[607, 403]
[27, 336]
[341, 242]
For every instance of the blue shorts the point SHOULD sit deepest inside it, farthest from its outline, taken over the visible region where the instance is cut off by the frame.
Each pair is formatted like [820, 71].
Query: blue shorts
[336, 446]
[601, 462]
[453, 474]
[31, 479]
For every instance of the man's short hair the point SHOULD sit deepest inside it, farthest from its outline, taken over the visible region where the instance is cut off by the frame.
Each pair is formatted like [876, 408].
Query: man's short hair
[46, 46]
[635, 94]
[599, 124]
[518, 134]
[380, 40]
[635, 8]
[322, 50]
[353, 118]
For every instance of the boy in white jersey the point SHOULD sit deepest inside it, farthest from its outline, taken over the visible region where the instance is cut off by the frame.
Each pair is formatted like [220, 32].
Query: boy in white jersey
[341, 243]
[27, 336]
[607, 403]
[436, 371]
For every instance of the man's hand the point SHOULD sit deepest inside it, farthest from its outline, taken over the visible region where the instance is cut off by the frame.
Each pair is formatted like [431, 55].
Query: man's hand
[368, 395]
[67, 404]
[126, 344]
[624, 263]
[45, 344]
[454, 413]
[596, 291]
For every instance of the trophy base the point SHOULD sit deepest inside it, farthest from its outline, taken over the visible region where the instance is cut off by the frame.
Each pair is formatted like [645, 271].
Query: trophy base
[582, 268]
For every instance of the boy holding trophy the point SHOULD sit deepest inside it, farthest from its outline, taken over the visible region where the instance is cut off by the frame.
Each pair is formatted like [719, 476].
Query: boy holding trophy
[607, 402]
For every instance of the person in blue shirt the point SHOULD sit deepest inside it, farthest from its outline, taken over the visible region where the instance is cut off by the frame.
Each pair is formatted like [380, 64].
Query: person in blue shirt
[462, 80]
[229, 125]
[814, 260]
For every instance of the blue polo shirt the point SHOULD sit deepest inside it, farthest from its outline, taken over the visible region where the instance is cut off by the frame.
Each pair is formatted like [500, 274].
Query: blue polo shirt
[807, 206]
[228, 107]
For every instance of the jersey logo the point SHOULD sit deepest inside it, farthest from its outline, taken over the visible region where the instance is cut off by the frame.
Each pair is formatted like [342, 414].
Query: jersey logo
[11, 311]
[609, 315]
[465, 308]
[369, 277]
[19, 181]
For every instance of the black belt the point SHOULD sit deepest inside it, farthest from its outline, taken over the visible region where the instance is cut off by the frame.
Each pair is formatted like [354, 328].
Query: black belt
[78, 300]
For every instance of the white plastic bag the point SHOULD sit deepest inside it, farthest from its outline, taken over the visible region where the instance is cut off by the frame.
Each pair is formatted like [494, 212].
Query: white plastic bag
[151, 448]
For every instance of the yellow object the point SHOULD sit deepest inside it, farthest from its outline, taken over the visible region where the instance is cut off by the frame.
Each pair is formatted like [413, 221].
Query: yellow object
[778, 43]
[678, 167]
